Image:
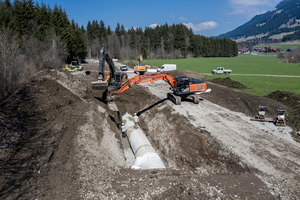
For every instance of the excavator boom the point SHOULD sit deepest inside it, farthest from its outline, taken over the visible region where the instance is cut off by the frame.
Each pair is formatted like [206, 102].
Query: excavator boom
[141, 79]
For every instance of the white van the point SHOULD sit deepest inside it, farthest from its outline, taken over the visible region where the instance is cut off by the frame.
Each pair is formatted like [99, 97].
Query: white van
[167, 67]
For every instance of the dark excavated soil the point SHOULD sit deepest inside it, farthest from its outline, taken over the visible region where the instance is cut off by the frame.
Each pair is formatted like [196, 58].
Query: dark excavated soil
[229, 83]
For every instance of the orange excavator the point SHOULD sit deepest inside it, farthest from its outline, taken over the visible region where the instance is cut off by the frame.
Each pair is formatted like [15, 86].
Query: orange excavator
[182, 87]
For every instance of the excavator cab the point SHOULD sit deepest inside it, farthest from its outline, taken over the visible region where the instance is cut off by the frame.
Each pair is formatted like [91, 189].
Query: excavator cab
[183, 86]
[121, 77]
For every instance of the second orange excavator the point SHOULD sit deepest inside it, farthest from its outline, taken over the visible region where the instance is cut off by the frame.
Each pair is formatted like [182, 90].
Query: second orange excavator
[182, 87]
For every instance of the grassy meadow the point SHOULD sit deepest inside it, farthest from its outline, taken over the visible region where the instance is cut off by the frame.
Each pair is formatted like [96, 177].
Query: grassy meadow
[283, 45]
[242, 65]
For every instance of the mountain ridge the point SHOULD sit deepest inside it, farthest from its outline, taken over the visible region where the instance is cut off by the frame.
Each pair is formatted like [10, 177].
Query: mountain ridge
[284, 18]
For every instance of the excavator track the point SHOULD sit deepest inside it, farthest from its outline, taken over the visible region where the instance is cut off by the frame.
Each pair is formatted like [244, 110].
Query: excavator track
[175, 99]
[195, 98]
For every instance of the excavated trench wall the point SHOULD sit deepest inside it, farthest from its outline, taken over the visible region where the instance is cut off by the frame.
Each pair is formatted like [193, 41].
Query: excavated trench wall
[178, 143]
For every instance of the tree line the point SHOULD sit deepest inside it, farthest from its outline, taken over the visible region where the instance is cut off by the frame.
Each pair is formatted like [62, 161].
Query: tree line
[34, 37]
[26, 20]
[162, 42]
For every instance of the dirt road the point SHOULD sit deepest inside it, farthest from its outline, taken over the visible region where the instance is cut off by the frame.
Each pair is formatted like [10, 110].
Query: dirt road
[59, 140]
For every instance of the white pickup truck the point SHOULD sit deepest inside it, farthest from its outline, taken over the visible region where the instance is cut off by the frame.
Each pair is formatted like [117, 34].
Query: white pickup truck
[221, 70]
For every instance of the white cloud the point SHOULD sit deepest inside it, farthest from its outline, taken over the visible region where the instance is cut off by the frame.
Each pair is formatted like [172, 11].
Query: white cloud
[183, 19]
[251, 3]
[172, 16]
[202, 26]
[251, 8]
[153, 25]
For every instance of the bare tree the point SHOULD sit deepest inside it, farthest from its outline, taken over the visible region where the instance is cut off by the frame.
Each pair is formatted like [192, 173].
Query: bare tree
[47, 54]
[10, 50]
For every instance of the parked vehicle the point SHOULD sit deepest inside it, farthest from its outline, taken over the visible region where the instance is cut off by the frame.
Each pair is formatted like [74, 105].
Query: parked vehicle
[221, 70]
[167, 67]
[73, 67]
[123, 68]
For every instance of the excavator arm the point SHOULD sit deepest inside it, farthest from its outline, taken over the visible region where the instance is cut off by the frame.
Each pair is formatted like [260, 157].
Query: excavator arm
[105, 57]
[101, 65]
[141, 79]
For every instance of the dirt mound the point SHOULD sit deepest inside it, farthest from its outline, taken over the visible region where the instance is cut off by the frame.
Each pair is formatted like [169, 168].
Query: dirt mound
[229, 83]
[37, 137]
[288, 98]
[187, 73]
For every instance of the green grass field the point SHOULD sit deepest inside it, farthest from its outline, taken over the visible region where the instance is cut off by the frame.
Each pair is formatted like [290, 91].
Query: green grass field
[261, 86]
[245, 64]
[284, 45]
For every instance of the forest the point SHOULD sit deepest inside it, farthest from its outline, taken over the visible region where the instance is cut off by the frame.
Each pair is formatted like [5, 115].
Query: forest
[34, 37]
[162, 42]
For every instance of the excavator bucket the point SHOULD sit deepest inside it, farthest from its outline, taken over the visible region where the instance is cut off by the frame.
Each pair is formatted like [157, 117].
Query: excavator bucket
[99, 85]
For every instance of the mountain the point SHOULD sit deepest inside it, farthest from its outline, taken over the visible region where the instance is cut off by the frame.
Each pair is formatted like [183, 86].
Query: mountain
[283, 20]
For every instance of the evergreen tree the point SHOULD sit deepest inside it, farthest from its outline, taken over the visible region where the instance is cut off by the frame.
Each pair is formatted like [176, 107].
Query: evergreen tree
[103, 31]
[123, 31]
[109, 32]
[23, 13]
[5, 14]
[118, 30]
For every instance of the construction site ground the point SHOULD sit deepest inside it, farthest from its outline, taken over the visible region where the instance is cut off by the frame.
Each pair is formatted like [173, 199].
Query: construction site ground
[59, 140]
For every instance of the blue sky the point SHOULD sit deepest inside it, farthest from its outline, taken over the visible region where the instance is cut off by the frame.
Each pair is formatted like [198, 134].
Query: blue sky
[205, 17]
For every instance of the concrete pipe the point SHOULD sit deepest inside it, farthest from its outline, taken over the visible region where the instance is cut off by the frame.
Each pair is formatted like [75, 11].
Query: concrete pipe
[145, 155]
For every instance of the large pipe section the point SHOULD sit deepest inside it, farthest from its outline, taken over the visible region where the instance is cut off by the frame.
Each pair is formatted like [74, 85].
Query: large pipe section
[145, 155]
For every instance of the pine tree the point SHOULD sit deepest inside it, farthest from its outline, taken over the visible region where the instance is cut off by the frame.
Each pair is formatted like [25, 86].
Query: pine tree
[118, 30]
[109, 32]
[103, 31]
[122, 31]
[23, 13]
[5, 14]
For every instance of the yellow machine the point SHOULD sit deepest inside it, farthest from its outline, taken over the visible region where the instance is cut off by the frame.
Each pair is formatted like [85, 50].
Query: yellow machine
[140, 67]
[73, 67]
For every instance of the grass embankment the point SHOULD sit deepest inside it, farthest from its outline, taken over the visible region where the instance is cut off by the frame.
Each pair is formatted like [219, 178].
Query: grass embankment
[245, 64]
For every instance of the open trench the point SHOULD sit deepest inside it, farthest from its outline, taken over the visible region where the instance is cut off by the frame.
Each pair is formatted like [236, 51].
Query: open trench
[184, 145]
[77, 152]
[179, 144]
[194, 155]
[208, 153]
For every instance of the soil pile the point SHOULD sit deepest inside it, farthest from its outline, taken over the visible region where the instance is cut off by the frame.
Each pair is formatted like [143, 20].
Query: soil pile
[229, 83]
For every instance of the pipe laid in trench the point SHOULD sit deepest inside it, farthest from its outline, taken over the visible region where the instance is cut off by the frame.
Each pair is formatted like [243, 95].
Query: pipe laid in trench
[145, 155]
